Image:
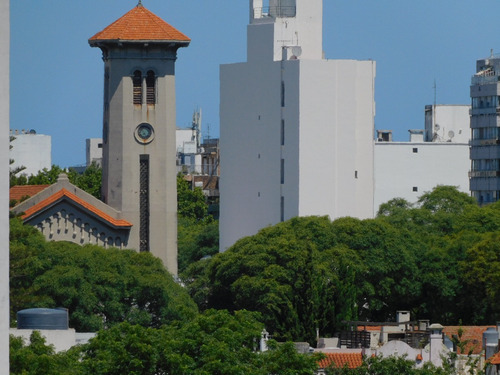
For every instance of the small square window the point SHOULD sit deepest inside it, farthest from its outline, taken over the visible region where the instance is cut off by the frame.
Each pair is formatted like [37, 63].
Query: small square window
[415, 150]
[415, 188]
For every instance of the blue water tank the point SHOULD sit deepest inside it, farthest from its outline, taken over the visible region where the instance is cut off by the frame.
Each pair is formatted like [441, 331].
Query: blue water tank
[50, 319]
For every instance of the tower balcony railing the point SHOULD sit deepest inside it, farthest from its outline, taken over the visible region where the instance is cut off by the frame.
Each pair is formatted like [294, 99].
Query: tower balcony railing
[483, 174]
[275, 12]
[485, 79]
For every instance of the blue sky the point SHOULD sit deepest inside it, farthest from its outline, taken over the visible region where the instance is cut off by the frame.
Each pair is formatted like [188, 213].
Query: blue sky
[56, 78]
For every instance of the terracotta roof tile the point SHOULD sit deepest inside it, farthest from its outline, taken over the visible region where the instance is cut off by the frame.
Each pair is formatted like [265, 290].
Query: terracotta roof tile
[474, 334]
[21, 191]
[140, 24]
[65, 193]
[340, 360]
[495, 360]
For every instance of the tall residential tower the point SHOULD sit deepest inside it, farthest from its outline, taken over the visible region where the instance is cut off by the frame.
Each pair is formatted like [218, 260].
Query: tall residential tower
[296, 129]
[485, 125]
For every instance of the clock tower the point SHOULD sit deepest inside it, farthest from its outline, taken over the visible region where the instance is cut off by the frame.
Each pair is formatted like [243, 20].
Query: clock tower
[139, 172]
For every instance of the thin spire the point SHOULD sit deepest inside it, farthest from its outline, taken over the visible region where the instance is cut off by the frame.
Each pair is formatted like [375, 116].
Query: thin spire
[140, 3]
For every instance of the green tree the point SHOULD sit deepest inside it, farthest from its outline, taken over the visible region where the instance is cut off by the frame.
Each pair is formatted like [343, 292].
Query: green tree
[191, 202]
[39, 358]
[100, 287]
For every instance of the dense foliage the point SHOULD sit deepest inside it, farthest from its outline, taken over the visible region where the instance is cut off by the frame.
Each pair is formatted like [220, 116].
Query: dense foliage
[440, 259]
[100, 287]
[197, 231]
[216, 342]
[89, 180]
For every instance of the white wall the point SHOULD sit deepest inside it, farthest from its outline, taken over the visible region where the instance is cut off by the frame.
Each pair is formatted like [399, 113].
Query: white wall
[328, 117]
[447, 123]
[93, 151]
[4, 185]
[32, 151]
[336, 138]
[398, 169]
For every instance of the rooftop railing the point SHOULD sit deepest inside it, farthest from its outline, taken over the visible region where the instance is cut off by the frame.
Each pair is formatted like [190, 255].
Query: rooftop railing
[275, 11]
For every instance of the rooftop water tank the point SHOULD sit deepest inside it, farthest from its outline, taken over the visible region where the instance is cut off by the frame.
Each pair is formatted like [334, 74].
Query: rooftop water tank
[49, 319]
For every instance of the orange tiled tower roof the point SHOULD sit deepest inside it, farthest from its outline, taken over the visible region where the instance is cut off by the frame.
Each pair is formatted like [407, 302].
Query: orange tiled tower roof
[139, 25]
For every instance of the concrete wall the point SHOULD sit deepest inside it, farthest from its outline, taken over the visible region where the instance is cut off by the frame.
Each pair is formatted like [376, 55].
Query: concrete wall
[4, 185]
[121, 150]
[336, 138]
[402, 166]
[33, 151]
[93, 151]
[447, 123]
[327, 153]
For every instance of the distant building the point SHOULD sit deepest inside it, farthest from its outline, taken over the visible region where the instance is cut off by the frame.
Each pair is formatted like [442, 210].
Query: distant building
[296, 128]
[30, 150]
[93, 151]
[438, 155]
[485, 126]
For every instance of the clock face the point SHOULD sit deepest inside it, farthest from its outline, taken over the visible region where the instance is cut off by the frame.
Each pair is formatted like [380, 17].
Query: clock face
[144, 133]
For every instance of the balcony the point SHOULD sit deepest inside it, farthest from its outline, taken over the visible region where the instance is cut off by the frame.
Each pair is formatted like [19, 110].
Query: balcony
[279, 11]
[484, 174]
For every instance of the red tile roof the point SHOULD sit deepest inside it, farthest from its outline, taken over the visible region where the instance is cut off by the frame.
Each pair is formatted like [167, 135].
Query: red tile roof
[140, 24]
[473, 334]
[340, 360]
[495, 360]
[65, 193]
[22, 191]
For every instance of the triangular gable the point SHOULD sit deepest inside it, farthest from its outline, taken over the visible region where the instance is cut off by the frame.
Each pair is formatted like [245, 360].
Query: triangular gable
[64, 194]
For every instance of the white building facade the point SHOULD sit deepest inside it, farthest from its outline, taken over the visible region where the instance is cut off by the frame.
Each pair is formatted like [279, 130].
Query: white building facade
[296, 129]
[30, 150]
[4, 185]
[438, 155]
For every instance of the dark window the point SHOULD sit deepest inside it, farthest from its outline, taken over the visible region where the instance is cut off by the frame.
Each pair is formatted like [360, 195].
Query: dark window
[415, 150]
[415, 188]
[137, 82]
[282, 171]
[150, 88]
[144, 203]
[282, 209]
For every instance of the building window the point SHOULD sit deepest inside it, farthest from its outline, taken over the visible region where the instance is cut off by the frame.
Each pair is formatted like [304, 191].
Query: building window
[144, 203]
[282, 209]
[282, 171]
[355, 174]
[137, 83]
[415, 150]
[415, 188]
[151, 88]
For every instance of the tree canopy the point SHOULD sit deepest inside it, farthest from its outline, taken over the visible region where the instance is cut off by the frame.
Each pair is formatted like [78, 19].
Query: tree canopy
[100, 287]
[310, 272]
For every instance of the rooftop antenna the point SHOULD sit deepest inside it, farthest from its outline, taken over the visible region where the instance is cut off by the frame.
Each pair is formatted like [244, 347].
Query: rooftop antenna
[140, 3]
[491, 52]
[435, 91]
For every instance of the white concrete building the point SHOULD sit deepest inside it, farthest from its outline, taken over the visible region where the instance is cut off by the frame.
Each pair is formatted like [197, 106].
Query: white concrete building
[447, 123]
[4, 185]
[93, 151]
[296, 129]
[438, 155]
[30, 150]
